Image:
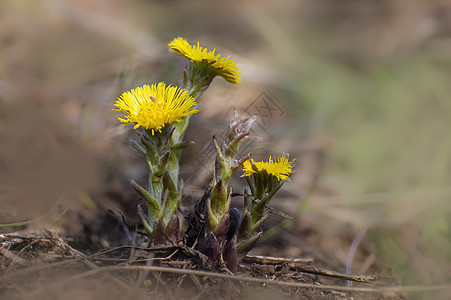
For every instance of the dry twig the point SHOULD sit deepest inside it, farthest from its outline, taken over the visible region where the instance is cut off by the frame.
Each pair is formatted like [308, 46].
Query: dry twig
[390, 289]
[271, 260]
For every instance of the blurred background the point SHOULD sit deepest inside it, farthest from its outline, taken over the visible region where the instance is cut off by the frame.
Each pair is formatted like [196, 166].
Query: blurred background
[356, 91]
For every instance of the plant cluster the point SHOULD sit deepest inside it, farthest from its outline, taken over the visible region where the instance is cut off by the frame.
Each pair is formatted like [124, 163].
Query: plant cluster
[161, 114]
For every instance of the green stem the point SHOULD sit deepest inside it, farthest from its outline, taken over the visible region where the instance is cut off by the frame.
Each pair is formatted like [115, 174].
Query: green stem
[194, 90]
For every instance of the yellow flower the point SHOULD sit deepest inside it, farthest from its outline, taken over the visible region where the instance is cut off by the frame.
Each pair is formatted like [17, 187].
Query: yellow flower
[224, 66]
[155, 107]
[280, 169]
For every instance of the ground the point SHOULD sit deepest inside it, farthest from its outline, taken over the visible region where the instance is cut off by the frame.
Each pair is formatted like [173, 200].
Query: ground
[48, 265]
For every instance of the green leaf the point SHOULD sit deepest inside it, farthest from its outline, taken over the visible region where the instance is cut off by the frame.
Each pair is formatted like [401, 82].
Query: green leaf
[152, 203]
[182, 145]
[161, 167]
[146, 225]
[137, 146]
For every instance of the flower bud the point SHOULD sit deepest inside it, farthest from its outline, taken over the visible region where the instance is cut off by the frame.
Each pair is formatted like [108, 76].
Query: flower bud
[211, 248]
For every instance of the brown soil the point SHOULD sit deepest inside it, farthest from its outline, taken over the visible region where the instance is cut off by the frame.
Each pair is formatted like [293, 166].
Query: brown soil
[45, 265]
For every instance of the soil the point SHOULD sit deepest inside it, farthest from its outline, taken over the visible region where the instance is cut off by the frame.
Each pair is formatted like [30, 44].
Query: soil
[45, 265]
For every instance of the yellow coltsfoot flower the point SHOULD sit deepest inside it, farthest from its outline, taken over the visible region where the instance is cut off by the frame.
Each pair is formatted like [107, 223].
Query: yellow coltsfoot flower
[155, 107]
[264, 178]
[281, 168]
[222, 66]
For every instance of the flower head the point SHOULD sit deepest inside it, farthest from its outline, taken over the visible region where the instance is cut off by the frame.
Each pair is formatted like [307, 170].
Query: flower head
[155, 107]
[223, 66]
[280, 169]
